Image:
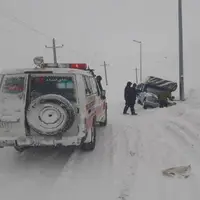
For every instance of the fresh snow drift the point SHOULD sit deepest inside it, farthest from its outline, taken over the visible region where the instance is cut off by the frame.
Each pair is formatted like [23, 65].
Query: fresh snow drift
[127, 163]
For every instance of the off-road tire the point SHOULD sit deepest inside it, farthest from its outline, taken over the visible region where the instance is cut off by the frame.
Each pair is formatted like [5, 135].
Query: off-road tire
[61, 104]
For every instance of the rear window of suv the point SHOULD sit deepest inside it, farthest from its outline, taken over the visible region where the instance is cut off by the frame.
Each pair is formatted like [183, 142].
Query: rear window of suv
[13, 84]
[60, 85]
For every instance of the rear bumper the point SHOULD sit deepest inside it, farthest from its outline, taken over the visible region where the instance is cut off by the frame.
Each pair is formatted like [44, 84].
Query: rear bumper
[37, 141]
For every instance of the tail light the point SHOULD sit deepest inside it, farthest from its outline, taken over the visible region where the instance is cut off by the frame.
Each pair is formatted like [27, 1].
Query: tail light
[82, 66]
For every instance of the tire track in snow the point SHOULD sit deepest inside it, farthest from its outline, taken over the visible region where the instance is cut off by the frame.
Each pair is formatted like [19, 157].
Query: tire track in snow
[127, 142]
[89, 174]
[183, 138]
[175, 132]
[193, 119]
[140, 127]
[185, 155]
[46, 161]
[192, 155]
[162, 150]
[131, 162]
[32, 170]
[186, 129]
[147, 182]
[164, 145]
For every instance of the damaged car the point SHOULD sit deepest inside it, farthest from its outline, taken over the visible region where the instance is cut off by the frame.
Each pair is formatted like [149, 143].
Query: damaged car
[156, 92]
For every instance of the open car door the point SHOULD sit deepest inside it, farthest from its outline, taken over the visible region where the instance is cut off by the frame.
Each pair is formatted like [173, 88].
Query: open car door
[12, 105]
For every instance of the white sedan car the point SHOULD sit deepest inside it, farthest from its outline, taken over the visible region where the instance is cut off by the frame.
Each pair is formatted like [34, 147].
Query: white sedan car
[148, 100]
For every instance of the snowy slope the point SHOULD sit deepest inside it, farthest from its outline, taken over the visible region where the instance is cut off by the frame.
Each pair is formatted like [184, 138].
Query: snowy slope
[166, 138]
[126, 164]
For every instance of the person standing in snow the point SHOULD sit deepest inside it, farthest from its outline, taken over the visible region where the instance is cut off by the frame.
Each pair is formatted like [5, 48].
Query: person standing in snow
[129, 97]
[133, 97]
[99, 79]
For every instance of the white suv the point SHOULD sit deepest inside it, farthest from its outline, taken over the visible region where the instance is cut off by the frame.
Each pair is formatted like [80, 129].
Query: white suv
[54, 105]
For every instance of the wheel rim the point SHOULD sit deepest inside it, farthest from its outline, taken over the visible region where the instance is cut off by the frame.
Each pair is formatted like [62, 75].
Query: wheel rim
[50, 117]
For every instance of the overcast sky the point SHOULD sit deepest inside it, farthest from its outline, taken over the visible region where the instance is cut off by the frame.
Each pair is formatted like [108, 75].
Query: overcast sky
[93, 31]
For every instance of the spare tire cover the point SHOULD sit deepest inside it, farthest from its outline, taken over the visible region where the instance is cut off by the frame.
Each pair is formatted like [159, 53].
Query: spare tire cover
[50, 114]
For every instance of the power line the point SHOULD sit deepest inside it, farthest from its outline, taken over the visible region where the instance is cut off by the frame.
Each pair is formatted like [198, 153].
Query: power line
[27, 26]
[31, 28]
[24, 24]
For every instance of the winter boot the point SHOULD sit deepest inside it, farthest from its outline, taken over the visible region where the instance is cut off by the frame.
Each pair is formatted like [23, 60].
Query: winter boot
[125, 110]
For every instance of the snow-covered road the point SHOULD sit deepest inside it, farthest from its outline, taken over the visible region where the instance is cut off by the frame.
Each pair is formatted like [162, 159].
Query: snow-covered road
[131, 152]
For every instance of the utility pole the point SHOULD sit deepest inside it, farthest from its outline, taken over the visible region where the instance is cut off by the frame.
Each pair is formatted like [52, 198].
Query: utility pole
[54, 47]
[140, 43]
[140, 62]
[136, 75]
[105, 70]
[181, 71]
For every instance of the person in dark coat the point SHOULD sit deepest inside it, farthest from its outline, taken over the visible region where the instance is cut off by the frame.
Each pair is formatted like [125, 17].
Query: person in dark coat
[133, 97]
[134, 93]
[99, 79]
[129, 97]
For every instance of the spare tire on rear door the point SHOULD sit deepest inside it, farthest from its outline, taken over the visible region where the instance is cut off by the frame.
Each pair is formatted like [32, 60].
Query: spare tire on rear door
[50, 114]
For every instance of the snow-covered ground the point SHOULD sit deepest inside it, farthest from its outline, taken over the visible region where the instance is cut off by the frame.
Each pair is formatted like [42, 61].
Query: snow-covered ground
[131, 151]
[130, 154]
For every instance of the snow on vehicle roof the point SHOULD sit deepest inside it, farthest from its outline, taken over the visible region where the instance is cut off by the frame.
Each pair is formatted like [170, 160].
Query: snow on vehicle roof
[50, 70]
[161, 83]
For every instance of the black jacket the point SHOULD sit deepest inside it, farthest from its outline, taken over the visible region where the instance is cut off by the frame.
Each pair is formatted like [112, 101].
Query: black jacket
[127, 93]
[130, 94]
[99, 79]
[133, 94]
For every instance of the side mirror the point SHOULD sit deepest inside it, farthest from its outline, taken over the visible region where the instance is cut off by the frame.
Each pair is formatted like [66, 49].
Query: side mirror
[103, 94]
